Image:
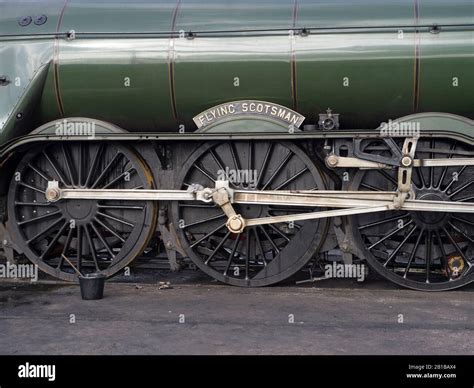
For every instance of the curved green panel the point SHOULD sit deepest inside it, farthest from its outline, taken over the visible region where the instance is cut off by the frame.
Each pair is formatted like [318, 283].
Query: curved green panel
[433, 121]
[447, 59]
[124, 81]
[447, 85]
[356, 76]
[446, 12]
[99, 127]
[118, 15]
[211, 71]
[228, 15]
[354, 13]
[20, 61]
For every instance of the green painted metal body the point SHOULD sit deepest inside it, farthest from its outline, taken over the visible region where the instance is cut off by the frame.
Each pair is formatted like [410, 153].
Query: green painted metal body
[134, 64]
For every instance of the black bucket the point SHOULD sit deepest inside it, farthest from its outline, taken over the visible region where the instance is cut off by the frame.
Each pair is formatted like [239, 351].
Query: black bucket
[92, 286]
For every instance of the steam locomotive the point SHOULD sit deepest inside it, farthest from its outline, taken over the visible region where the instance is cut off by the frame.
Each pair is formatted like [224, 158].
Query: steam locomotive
[250, 137]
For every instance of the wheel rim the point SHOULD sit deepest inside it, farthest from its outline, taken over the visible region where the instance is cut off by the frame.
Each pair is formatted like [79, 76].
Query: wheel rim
[261, 255]
[430, 251]
[96, 236]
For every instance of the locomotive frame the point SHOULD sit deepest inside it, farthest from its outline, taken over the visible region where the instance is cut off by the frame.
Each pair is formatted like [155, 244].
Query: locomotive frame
[100, 188]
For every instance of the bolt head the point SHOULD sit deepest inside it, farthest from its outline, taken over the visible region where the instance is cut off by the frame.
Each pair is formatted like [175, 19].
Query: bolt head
[235, 224]
[52, 194]
[407, 161]
[332, 160]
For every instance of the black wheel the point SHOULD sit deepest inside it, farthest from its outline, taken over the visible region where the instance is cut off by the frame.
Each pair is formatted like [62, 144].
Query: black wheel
[261, 255]
[94, 235]
[431, 251]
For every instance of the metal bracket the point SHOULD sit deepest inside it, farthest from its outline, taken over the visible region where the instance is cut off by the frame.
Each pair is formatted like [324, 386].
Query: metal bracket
[393, 161]
[405, 172]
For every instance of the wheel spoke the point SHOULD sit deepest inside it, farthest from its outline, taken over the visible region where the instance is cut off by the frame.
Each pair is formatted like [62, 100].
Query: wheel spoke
[121, 207]
[396, 250]
[109, 229]
[219, 246]
[232, 254]
[441, 245]
[419, 172]
[384, 221]
[203, 221]
[278, 169]
[428, 242]
[53, 241]
[205, 172]
[289, 180]
[235, 158]
[44, 231]
[453, 181]
[65, 248]
[92, 247]
[413, 253]
[218, 161]
[264, 165]
[247, 256]
[267, 236]
[106, 169]
[40, 218]
[371, 187]
[467, 222]
[279, 232]
[445, 169]
[81, 165]
[460, 231]
[67, 163]
[34, 188]
[390, 234]
[79, 248]
[431, 169]
[460, 189]
[211, 233]
[94, 164]
[116, 219]
[41, 204]
[122, 175]
[40, 173]
[103, 240]
[55, 168]
[250, 156]
[259, 246]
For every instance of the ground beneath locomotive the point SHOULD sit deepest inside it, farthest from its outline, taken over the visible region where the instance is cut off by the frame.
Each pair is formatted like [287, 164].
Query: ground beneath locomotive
[198, 316]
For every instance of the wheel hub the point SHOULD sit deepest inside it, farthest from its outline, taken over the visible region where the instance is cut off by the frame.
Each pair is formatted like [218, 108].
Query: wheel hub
[432, 220]
[79, 210]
